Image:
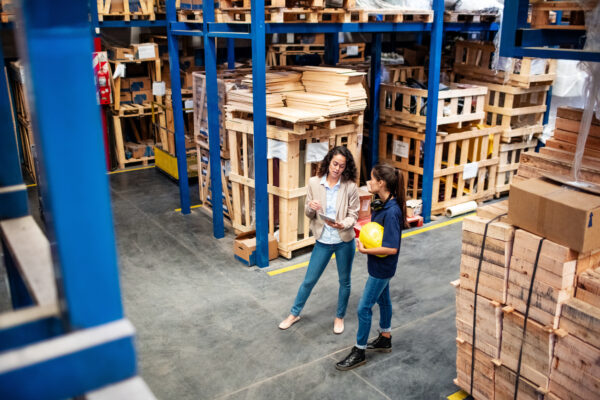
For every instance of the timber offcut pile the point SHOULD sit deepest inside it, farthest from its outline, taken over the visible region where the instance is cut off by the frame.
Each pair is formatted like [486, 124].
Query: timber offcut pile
[528, 304]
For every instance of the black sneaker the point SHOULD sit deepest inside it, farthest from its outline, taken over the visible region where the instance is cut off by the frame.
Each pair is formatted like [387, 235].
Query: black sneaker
[382, 344]
[355, 359]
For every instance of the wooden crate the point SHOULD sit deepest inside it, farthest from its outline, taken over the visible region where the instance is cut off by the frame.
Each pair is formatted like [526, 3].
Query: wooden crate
[538, 347]
[519, 111]
[204, 182]
[473, 60]
[504, 386]
[403, 148]
[509, 154]
[351, 52]
[493, 276]
[483, 373]
[575, 370]
[400, 73]
[488, 329]
[146, 115]
[277, 54]
[166, 125]
[126, 9]
[287, 179]
[407, 106]
[544, 14]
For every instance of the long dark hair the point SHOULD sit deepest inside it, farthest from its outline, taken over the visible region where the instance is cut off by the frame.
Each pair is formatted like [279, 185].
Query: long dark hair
[394, 182]
[349, 173]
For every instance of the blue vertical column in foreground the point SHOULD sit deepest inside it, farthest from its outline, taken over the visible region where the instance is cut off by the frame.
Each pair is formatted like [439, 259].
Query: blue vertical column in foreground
[230, 53]
[260, 132]
[184, 189]
[332, 48]
[374, 100]
[66, 119]
[13, 192]
[214, 139]
[435, 59]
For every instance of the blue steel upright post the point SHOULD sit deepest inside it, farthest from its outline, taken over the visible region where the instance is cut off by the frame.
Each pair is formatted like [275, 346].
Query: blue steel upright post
[435, 60]
[212, 104]
[332, 48]
[184, 189]
[374, 101]
[230, 53]
[259, 108]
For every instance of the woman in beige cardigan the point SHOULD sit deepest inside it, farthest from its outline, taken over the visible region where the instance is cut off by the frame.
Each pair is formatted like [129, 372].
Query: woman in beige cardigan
[332, 204]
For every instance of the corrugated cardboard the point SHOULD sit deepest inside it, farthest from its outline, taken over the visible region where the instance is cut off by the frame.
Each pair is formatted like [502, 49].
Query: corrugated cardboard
[244, 248]
[365, 204]
[556, 212]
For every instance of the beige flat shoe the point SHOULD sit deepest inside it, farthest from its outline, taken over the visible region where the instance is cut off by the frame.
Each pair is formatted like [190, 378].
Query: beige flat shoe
[338, 326]
[289, 321]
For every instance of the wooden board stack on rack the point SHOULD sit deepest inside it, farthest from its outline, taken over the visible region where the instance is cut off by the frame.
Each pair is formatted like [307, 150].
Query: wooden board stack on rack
[466, 158]
[516, 100]
[309, 111]
[558, 154]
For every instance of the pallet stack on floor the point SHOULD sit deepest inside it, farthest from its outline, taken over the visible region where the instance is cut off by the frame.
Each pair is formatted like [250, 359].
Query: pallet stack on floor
[516, 100]
[309, 111]
[558, 154]
[466, 157]
[549, 276]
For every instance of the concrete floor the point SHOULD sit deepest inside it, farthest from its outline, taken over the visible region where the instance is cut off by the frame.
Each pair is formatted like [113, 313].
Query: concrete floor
[207, 325]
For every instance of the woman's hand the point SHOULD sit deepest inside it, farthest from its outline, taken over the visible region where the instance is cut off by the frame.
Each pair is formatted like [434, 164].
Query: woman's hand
[335, 225]
[315, 205]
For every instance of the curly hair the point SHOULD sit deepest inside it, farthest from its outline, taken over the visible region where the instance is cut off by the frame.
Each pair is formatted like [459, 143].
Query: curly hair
[349, 173]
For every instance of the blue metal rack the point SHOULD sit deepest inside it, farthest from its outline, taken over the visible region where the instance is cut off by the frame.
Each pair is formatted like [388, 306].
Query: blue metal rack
[79, 341]
[255, 32]
[519, 40]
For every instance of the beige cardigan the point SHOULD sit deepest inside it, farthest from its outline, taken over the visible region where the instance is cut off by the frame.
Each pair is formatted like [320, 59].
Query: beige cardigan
[348, 203]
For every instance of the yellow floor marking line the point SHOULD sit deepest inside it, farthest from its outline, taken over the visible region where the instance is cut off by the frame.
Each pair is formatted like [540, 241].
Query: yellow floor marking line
[460, 395]
[32, 185]
[130, 170]
[192, 207]
[407, 234]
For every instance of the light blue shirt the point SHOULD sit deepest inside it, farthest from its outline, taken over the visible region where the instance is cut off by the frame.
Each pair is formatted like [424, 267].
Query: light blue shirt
[330, 235]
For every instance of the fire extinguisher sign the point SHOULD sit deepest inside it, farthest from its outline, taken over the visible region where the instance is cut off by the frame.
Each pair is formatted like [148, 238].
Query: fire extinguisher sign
[102, 75]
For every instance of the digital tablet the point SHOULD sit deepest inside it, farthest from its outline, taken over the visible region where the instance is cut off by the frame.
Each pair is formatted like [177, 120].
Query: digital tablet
[326, 218]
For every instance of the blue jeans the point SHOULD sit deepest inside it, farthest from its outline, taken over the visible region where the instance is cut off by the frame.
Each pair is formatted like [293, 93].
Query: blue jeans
[376, 291]
[321, 254]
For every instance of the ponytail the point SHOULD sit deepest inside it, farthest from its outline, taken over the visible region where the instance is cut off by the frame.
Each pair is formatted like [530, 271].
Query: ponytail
[401, 197]
[394, 181]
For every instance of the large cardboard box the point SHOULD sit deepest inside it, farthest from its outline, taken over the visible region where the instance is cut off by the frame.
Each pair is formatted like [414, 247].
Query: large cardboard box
[145, 51]
[558, 212]
[365, 204]
[244, 248]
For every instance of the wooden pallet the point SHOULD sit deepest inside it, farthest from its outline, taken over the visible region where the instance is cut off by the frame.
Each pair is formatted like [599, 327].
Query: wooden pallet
[402, 148]
[407, 106]
[400, 73]
[351, 52]
[473, 60]
[544, 14]
[277, 54]
[510, 154]
[126, 10]
[519, 111]
[469, 16]
[391, 15]
[189, 16]
[287, 179]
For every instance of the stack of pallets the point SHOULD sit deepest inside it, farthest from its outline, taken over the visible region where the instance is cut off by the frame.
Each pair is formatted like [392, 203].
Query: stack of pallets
[301, 127]
[558, 154]
[126, 10]
[465, 168]
[516, 100]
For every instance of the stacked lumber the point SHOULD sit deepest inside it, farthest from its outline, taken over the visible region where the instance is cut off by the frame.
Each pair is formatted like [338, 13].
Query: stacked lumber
[588, 287]
[342, 82]
[554, 279]
[556, 158]
[279, 81]
[483, 373]
[505, 382]
[329, 105]
[241, 99]
[576, 365]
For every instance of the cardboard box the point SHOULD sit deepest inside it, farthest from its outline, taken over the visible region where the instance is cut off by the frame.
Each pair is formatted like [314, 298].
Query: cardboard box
[125, 97]
[136, 150]
[365, 204]
[145, 51]
[120, 53]
[244, 248]
[557, 212]
[141, 97]
[141, 84]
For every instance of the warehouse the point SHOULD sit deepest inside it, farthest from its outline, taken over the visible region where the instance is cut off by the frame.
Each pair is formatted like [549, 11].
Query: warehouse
[392, 199]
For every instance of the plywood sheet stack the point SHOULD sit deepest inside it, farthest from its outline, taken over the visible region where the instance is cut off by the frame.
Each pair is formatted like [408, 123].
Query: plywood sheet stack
[558, 154]
[491, 294]
[341, 82]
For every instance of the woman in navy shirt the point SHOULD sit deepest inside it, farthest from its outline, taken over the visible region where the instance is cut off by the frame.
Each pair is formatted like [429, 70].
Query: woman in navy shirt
[389, 210]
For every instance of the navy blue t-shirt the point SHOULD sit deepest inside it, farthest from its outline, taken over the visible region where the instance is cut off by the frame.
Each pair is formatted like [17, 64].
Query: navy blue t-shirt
[390, 217]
